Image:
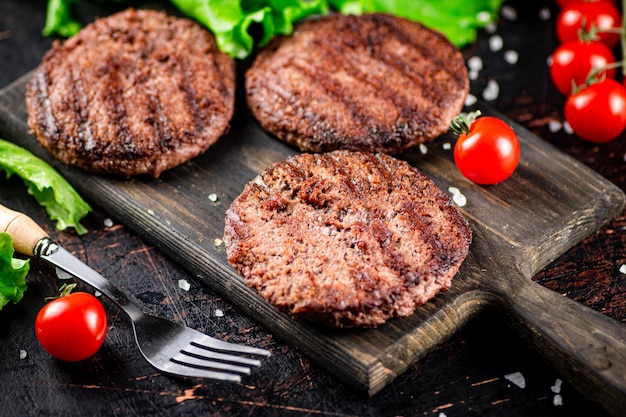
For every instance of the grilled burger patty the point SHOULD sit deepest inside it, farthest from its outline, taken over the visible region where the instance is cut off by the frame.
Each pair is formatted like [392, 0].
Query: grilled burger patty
[138, 92]
[345, 238]
[373, 82]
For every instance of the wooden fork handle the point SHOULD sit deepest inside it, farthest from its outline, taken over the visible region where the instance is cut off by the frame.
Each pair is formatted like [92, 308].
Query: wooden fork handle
[24, 231]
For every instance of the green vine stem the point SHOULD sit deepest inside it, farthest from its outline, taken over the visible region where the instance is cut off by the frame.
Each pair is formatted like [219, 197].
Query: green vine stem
[462, 123]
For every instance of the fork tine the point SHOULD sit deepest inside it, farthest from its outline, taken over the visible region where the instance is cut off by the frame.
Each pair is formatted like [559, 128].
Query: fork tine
[189, 359]
[174, 368]
[206, 352]
[209, 342]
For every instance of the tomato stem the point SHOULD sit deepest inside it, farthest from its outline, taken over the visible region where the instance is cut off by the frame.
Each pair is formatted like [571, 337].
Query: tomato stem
[64, 291]
[462, 123]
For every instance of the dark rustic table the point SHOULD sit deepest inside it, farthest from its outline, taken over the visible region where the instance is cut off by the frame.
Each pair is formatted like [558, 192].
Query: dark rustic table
[484, 370]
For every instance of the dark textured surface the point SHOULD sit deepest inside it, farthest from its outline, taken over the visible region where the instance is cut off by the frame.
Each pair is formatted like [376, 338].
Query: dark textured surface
[464, 376]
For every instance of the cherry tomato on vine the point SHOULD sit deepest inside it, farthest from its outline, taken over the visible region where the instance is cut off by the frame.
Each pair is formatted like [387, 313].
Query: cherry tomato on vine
[601, 14]
[72, 327]
[573, 60]
[597, 113]
[563, 3]
[487, 150]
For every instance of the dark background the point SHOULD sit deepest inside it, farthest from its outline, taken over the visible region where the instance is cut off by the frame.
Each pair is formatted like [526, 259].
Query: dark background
[465, 376]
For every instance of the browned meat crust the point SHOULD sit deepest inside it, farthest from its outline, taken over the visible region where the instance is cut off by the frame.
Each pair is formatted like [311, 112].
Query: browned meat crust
[345, 238]
[138, 92]
[373, 82]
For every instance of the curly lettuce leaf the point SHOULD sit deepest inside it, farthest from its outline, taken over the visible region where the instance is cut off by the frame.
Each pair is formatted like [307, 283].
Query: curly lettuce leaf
[62, 203]
[13, 272]
[457, 19]
[232, 21]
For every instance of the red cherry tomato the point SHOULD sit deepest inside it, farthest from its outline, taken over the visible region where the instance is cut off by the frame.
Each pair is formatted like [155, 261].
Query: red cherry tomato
[563, 3]
[597, 113]
[573, 60]
[602, 14]
[72, 328]
[489, 152]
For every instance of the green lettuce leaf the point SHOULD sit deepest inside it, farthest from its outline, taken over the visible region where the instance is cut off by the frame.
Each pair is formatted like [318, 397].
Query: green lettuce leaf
[13, 272]
[62, 203]
[235, 23]
[459, 20]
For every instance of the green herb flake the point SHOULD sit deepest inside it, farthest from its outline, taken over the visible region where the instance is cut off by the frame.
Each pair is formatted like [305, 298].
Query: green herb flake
[13, 272]
[62, 203]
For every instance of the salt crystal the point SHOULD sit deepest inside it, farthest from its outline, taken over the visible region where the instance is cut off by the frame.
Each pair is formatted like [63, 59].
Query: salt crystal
[23, 354]
[491, 27]
[97, 294]
[517, 378]
[213, 197]
[150, 212]
[556, 388]
[511, 57]
[557, 400]
[472, 75]
[554, 126]
[219, 313]
[496, 43]
[471, 99]
[460, 200]
[491, 91]
[442, 415]
[423, 149]
[545, 13]
[446, 146]
[454, 190]
[108, 222]
[217, 241]
[475, 63]
[567, 128]
[622, 269]
[483, 16]
[61, 274]
[549, 61]
[508, 12]
[183, 284]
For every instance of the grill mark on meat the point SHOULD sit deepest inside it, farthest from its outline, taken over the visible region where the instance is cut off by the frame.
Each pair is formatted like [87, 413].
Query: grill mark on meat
[80, 103]
[43, 107]
[137, 92]
[370, 82]
[345, 256]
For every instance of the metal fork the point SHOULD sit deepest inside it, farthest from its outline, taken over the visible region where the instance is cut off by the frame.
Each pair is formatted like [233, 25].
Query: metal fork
[168, 346]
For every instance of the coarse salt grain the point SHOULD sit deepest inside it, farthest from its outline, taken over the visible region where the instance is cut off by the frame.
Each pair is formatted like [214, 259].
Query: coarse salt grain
[545, 13]
[460, 200]
[491, 27]
[511, 57]
[567, 128]
[491, 91]
[446, 146]
[23, 354]
[554, 126]
[213, 197]
[184, 285]
[622, 269]
[483, 16]
[108, 222]
[496, 43]
[423, 149]
[219, 313]
[472, 75]
[217, 241]
[471, 99]
[556, 388]
[508, 12]
[557, 400]
[516, 378]
[97, 294]
[475, 63]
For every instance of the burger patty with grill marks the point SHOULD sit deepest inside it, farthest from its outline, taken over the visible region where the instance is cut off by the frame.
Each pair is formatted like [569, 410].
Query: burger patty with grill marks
[138, 92]
[345, 238]
[373, 82]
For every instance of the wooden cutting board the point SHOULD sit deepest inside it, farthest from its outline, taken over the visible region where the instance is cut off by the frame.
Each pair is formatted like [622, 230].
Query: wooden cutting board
[551, 203]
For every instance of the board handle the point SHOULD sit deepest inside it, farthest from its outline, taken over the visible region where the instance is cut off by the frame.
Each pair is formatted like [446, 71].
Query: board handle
[24, 231]
[585, 346]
